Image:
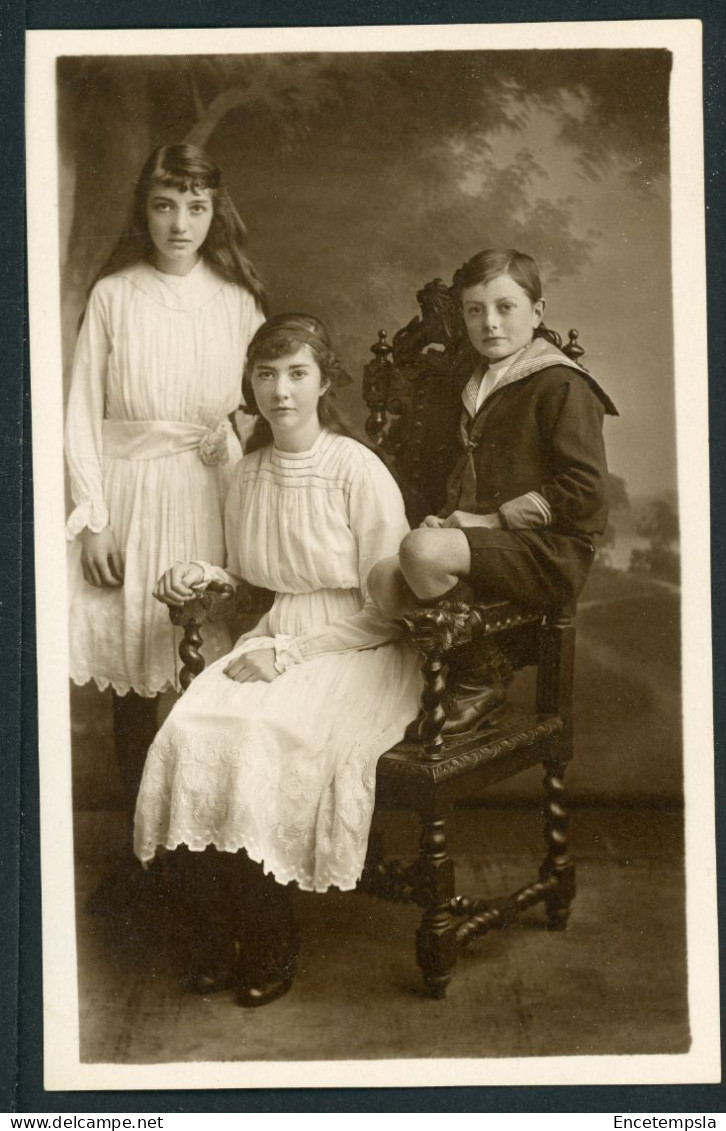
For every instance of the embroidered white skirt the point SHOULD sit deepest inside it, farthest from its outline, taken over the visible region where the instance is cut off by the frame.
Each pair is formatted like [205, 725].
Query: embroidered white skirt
[285, 770]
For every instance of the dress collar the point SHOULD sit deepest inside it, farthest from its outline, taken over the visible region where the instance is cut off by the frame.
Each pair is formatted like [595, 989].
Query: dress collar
[296, 459]
[175, 292]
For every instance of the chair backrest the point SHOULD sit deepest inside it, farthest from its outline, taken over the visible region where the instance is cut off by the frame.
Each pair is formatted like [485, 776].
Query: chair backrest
[413, 391]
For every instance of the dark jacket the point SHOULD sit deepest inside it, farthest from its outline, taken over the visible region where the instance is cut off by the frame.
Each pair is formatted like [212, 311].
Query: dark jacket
[542, 433]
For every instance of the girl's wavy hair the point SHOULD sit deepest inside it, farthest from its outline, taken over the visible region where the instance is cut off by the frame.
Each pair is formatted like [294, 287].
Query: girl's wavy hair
[188, 168]
[492, 262]
[286, 334]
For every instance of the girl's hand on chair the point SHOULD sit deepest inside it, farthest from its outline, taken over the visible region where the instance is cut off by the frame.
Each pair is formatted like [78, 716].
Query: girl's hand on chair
[460, 520]
[101, 560]
[253, 667]
[175, 586]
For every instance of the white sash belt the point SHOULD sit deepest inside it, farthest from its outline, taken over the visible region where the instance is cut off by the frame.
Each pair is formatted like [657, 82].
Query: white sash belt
[153, 439]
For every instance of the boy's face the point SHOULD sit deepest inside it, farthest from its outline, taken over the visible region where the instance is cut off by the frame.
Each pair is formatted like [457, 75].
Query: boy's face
[500, 317]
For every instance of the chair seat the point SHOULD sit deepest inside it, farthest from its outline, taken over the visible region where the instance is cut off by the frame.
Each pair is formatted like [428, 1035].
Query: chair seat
[405, 776]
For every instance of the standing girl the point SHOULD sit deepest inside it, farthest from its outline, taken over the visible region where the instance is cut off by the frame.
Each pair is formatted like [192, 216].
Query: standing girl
[530, 488]
[270, 756]
[150, 450]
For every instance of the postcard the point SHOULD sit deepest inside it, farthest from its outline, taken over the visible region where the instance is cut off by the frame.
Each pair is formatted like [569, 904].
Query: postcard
[346, 250]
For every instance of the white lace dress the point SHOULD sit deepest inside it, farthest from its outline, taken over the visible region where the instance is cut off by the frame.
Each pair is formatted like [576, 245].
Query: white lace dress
[157, 370]
[287, 769]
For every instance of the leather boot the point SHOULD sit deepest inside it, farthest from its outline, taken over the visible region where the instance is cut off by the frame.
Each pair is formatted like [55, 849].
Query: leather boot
[473, 702]
[476, 694]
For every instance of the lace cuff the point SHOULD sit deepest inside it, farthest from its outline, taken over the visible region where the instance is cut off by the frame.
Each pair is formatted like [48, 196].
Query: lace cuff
[87, 515]
[287, 653]
[210, 573]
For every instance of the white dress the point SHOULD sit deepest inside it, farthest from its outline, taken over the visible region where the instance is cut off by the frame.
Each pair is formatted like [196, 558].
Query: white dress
[158, 368]
[287, 769]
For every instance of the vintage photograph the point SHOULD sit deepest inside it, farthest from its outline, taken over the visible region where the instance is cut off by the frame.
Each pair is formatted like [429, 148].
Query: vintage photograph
[369, 405]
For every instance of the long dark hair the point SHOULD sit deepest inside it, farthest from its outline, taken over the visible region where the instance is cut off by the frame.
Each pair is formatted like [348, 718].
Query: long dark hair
[186, 167]
[285, 334]
[491, 263]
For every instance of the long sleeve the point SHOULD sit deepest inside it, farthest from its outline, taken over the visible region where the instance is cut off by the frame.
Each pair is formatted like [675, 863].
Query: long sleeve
[378, 521]
[84, 421]
[526, 512]
[232, 574]
[577, 493]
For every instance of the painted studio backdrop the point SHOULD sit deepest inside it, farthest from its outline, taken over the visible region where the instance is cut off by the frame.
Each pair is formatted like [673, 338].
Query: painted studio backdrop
[360, 178]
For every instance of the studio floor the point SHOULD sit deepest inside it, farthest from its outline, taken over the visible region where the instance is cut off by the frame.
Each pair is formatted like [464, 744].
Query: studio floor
[613, 983]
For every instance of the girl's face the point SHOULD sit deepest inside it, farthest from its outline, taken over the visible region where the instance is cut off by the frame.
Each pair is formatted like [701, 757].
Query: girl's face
[500, 317]
[287, 390]
[178, 224]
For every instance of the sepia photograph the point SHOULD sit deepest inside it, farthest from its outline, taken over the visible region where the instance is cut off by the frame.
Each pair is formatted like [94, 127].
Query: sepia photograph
[369, 398]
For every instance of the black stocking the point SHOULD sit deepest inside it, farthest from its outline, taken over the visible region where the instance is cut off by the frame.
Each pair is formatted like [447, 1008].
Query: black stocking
[236, 914]
[134, 727]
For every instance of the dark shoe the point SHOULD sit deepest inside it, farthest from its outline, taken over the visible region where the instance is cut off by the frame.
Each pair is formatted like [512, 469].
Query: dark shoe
[268, 990]
[467, 709]
[266, 964]
[211, 959]
[210, 980]
[472, 707]
[476, 694]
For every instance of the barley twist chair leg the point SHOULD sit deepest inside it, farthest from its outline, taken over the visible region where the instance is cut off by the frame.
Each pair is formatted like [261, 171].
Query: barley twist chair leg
[436, 938]
[558, 865]
[190, 654]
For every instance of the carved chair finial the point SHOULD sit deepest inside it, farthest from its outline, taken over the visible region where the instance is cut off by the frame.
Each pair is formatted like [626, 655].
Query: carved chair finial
[381, 348]
[573, 349]
[376, 381]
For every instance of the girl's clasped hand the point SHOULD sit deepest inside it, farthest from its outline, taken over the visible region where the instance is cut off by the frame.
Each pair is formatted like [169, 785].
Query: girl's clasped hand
[251, 666]
[179, 585]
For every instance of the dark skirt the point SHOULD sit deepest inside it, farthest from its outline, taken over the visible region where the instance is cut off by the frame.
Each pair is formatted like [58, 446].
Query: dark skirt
[531, 568]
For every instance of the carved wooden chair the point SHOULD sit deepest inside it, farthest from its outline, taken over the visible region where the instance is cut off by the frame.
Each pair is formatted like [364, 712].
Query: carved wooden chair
[413, 393]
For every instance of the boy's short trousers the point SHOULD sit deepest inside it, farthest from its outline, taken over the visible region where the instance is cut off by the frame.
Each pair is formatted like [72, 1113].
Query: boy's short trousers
[535, 569]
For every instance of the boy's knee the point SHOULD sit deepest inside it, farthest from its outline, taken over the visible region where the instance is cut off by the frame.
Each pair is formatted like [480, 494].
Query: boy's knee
[419, 553]
[433, 559]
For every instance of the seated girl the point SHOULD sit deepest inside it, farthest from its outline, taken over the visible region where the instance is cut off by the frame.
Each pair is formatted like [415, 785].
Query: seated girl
[270, 757]
[530, 488]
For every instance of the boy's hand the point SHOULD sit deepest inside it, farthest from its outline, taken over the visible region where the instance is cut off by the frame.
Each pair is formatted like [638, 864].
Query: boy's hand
[251, 667]
[175, 586]
[101, 560]
[459, 520]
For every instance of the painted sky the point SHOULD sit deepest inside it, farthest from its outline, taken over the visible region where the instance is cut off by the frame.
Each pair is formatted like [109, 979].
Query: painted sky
[362, 176]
